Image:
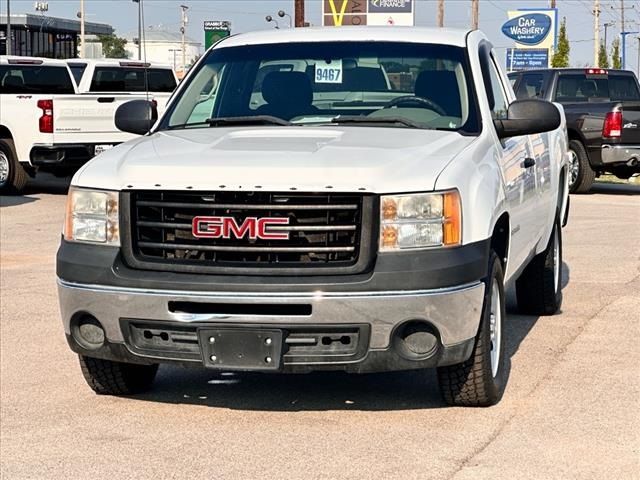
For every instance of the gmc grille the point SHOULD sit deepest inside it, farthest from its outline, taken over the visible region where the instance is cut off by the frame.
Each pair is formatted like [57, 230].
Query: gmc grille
[325, 231]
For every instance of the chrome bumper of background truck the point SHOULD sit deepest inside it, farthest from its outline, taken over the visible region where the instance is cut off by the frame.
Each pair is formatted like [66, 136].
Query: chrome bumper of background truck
[628, 154]
[452, 313]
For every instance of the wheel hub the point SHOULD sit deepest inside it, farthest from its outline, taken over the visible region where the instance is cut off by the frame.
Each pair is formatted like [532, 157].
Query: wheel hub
[4, 167]
[574, 167]
[556, 261]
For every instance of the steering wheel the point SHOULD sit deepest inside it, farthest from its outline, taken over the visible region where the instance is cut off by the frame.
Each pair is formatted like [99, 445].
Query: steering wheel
[419, 102]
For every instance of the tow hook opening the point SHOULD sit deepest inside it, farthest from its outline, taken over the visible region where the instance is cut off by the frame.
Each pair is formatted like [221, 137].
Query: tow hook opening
[416, 340]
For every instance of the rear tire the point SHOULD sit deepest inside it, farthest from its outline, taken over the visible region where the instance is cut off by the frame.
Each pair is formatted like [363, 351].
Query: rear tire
[480, 381]
[13, 178]
[115, 378]
[539, 288]
[581, 175]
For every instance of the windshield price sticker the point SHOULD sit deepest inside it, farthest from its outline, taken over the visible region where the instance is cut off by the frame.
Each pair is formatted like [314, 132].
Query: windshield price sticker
[329, 72]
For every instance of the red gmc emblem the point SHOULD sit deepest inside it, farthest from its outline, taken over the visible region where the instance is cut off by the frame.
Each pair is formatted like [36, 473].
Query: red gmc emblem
[228, 227]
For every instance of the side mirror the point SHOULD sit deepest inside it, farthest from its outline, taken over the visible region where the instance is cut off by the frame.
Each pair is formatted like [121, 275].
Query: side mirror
[136, 116]
[526, 117]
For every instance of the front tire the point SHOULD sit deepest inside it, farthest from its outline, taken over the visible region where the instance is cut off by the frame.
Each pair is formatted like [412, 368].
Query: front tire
[13, 178]
[480, 381]
[581, 175]
[106, 377]
[539, 288]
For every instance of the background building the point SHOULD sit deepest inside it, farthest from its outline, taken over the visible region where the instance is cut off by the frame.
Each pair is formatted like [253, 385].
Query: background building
[43, 36]
[164, 46]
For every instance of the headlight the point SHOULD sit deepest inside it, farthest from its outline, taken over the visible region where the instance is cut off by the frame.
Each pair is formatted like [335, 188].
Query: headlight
[92, 217]
[420, 220]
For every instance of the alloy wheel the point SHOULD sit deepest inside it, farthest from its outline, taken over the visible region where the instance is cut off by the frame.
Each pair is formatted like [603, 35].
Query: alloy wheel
[574, 167]
[4, 167]
[495, 327]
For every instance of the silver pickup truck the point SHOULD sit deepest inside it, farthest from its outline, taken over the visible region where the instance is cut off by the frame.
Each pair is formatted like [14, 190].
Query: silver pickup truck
[265, 224]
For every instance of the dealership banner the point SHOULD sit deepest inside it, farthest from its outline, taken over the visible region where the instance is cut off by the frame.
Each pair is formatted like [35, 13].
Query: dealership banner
[338, 13]
[531, 29]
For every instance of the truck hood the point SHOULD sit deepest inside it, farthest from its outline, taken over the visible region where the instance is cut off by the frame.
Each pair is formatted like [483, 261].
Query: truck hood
[345, 159]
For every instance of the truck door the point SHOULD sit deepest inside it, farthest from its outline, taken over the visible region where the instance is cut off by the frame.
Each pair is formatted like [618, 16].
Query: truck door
[515, 155]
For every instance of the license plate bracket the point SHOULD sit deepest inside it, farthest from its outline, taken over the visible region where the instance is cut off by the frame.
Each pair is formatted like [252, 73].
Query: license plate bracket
[241, 348]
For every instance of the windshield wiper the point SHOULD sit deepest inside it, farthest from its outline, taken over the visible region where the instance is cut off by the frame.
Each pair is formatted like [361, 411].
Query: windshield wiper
[248, 120]
[361, 119]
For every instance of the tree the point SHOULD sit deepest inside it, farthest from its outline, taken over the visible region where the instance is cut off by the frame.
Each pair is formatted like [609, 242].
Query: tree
[561, 55]
[112, 46]
[616, 61]
[603, 58]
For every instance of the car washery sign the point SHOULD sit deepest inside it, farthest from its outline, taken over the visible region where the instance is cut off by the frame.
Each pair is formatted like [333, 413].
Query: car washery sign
[535, 35]
[338, 13]
[215, 30]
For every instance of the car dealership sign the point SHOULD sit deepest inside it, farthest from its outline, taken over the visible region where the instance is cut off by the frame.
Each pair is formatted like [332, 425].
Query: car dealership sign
[529, 29]
[338, 13]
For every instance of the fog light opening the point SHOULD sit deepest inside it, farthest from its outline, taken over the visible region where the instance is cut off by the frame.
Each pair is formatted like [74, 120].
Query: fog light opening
[416, 340]
[88, 332]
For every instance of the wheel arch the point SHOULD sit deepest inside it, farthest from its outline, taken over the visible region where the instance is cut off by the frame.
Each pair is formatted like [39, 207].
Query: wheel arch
[5, 133]
[501, 238]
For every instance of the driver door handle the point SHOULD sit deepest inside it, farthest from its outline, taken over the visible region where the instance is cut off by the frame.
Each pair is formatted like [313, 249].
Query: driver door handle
[528, 162]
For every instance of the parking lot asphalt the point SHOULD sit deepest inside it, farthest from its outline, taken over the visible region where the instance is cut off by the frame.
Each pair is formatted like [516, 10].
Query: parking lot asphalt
[571, 409]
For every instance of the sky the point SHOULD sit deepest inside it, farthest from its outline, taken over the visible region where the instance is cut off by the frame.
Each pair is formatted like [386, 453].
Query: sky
[247, 15]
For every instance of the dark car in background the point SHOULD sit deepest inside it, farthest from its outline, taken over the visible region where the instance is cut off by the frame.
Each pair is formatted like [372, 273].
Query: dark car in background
[602, 108]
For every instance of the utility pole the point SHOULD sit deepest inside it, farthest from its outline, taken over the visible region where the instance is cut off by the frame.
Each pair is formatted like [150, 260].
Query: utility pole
[8, 40]
[183, 25]
[299, 13]
[440, 13]
[638, 57]
[623, 30]
[474, 14]
[82, 45]
[606, 26]
[596, 31]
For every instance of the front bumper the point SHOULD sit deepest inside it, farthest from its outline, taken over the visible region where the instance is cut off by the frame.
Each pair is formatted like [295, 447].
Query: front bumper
[619, 154]
[372, 318]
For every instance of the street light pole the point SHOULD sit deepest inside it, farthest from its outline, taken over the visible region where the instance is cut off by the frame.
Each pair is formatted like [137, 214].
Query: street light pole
[606, 26]
[282, 14]
[8, 40]
[182, 31]
[139, 2]
[82, 45]
[269, 18]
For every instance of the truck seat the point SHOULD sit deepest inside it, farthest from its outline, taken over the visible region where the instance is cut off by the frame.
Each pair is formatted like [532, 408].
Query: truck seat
[288, 95]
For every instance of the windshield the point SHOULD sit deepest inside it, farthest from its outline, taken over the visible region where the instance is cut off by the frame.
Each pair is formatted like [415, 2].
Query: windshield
[416, 85]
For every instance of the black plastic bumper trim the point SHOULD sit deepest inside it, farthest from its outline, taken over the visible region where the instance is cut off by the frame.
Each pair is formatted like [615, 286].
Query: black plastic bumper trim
[416, 270]
[374, 361]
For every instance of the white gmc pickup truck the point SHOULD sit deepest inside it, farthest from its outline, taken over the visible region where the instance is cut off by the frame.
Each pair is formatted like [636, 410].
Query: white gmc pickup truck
[291, 231]
[46, 125]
